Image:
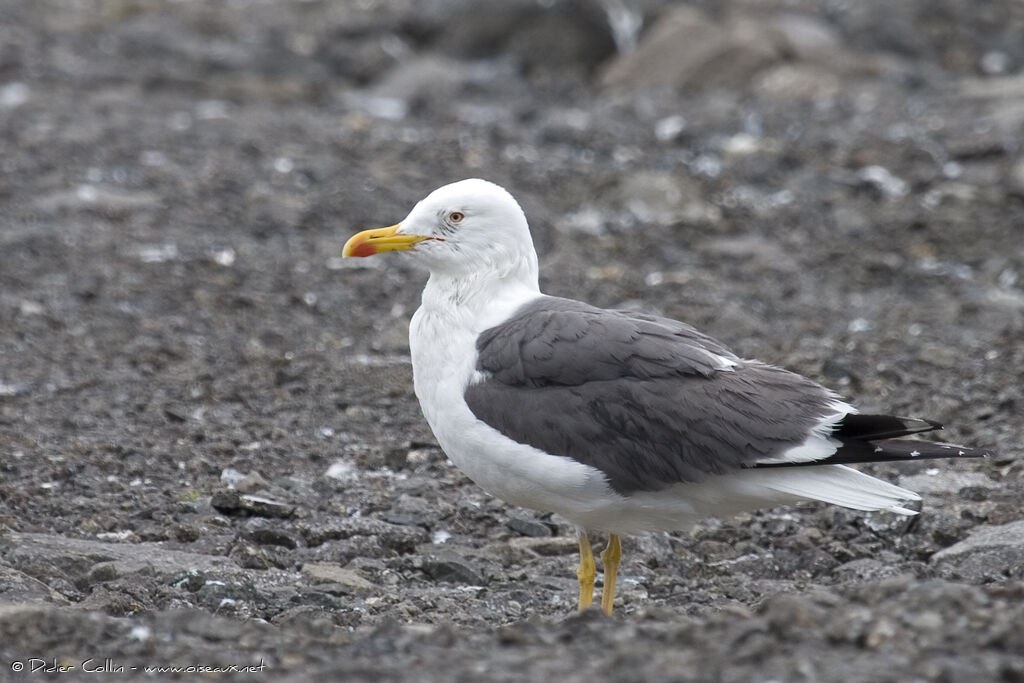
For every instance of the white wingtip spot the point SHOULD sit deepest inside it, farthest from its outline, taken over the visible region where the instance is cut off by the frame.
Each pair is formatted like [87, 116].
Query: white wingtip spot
[914, 454]
[724, 364]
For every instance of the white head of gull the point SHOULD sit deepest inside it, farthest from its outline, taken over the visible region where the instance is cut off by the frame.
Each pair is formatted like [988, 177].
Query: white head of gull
[620, 422]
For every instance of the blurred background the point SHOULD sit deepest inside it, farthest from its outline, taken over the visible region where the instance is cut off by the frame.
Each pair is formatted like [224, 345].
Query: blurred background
[833, 186]
[738, 165]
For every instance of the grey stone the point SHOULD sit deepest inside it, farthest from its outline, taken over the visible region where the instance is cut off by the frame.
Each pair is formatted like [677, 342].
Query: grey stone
[450, 567]
[16, 587]
[688, 49]
[251, 483]
[543, 37]
[98, 561]
[233, 502]
[943, 481]
[322, 572]
[1016, 178]
[798, 81]
[553, 546]
[664, 198]
[264, 535]
[993, 553]
[865, 569]
[109, 200]
[529, 527]
[808, 38]
[426, 76]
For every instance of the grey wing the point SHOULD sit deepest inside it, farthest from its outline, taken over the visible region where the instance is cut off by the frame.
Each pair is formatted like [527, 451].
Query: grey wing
[648, 401]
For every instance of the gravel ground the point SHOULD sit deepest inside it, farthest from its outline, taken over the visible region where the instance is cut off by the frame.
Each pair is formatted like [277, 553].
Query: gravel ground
[211, 454]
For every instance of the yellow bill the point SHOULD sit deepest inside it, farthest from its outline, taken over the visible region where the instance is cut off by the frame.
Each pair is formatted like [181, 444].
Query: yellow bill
[370, 242]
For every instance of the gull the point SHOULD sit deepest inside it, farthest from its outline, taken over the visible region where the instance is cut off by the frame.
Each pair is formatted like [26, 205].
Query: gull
[620, 422]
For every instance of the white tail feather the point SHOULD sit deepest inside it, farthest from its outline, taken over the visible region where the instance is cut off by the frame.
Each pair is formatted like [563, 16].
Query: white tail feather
[841, 485]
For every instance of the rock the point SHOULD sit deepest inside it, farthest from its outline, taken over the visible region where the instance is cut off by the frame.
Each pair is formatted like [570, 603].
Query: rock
[232, 502]
[425, 76]
[229, 501]
[554, 546]
[411, 511]
[249, 556]
[945, 481]
[450, 567]
[398, 458]
[790, 614]
[1015, 180]
[176, 412]
[112, 600]
[992, 553]
[229, 476]
[765, 251]
[662, 197]
[798, 81]
[807, 38]
[311, 620]
[268, 535]
[324, 572]
[880, 632]
[404, 518]
[1007, 87]
[14, 389]
[862, 570]
[16, 586]
[529, 527]
[543, 37]
[342, 470]
[227, 597]
[251, 482]
[13, 95]
[399, 538]
[110, 201]
[1003, 98]
[90, 562]
[883, 180]
[130, 557]
[359, 58]
[103, 571]
[688, 49]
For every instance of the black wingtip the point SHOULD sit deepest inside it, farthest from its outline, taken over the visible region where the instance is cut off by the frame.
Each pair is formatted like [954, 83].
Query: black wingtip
[875, 438]
[856, 426]
[954, 450]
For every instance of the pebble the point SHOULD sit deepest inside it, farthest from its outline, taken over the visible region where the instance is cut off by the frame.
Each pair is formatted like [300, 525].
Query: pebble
[326, 573]
[989, 553]
[529, 527]
[548, 546]
[450, 568]
[230, 501]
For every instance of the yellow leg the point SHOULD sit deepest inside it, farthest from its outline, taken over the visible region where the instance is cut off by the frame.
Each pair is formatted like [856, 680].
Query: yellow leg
[586, 572]
[610, 557]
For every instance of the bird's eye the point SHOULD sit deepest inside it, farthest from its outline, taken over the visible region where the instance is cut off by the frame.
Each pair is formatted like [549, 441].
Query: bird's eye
[456, 217]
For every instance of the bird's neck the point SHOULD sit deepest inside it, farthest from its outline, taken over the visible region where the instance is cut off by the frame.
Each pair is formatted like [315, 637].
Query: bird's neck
[478, 300]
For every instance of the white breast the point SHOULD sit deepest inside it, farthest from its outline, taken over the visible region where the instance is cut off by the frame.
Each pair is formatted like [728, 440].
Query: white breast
[444, 362]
